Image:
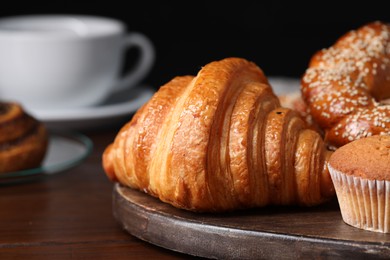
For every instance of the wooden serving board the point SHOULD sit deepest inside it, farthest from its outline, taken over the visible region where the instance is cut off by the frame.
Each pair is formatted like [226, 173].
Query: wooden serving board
[269, 232]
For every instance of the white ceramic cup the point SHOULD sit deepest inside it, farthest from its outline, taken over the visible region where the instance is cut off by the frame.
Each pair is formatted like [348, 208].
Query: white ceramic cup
[68, 61]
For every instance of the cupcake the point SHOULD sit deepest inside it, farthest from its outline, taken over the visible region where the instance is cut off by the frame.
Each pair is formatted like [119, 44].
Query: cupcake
[360, 172]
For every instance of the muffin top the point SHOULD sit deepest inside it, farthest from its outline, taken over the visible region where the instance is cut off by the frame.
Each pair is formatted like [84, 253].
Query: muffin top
[367, 158]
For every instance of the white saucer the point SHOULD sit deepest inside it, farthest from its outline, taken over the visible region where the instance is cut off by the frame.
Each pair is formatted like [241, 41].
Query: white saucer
[118, 107]
[284, 85]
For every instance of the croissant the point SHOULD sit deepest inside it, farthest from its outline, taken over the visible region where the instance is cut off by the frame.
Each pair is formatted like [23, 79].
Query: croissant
[218, 142]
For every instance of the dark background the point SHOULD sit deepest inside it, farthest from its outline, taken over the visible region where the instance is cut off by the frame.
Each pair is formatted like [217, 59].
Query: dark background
[279, 36]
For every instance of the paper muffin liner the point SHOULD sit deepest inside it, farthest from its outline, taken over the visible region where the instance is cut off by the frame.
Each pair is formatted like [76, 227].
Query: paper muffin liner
[364, 203]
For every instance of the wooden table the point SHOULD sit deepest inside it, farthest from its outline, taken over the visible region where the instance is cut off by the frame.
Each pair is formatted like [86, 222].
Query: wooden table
[69, 216]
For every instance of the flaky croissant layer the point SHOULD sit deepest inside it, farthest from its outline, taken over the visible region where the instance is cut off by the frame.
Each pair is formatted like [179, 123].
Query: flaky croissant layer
[220, 141]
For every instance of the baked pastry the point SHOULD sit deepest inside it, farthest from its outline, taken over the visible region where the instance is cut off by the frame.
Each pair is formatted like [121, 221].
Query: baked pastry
[360, 172]
[295, 102]
[23, 139]
[345, 84]
[220, 141]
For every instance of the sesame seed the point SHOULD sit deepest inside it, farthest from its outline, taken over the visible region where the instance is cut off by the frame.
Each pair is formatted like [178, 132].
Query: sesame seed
[340, 82]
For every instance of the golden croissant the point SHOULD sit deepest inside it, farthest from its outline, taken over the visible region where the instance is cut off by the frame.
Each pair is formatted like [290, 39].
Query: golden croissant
[218, 142]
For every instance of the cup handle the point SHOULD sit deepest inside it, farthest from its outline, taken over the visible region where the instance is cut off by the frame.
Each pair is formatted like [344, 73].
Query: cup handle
[142, 66]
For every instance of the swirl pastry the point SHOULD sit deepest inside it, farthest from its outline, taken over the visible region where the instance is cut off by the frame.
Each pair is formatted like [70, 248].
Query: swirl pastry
[344, 85]
[23, 139]
[220, 141]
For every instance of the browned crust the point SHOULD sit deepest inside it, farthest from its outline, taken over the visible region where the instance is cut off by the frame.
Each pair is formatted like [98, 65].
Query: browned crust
[216, 142]
[23, 139]
[368, 158]
[344, 84]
